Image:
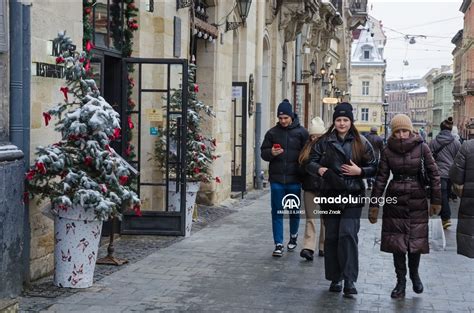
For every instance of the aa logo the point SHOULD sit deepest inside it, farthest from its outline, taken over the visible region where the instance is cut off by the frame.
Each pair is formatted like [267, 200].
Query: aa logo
[290, 202]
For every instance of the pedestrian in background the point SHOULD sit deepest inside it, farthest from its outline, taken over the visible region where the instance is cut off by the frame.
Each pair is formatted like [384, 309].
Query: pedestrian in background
[455, 133]
[405, 221]
[311, 186]
[281, 147]
[343, 158]
[444, 149]
[462, 173]
[377, 144]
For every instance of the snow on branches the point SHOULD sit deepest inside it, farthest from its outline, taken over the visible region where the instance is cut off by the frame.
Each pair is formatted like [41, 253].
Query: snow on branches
[81, 168]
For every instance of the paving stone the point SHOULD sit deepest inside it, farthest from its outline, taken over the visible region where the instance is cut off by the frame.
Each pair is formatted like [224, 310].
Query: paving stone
[227, 267]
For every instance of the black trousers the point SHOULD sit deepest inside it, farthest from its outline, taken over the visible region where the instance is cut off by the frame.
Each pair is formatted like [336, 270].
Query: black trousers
[399, 260]
[341, 252]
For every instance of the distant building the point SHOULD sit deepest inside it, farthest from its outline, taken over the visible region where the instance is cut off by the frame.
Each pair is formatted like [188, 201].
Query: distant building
[368, 75]
[418, 108]
[402, 84]
[443, 99]
[397, 102]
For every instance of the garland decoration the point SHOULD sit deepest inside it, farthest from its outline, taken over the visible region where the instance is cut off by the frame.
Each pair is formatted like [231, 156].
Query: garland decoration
[123, 26]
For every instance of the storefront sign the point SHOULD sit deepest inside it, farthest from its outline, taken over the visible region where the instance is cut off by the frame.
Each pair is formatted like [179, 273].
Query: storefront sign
[154, 131]
[154, 115]
[236, 92]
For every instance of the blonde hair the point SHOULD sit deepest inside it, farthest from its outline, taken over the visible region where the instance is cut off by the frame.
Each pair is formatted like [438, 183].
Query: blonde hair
[304, 154]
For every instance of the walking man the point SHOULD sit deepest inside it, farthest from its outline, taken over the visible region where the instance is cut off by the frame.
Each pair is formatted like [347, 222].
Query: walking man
[444, 148]
[377, 144]
[281, 147]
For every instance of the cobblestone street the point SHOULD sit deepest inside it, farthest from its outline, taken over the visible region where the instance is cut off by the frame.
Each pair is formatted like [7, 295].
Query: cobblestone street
[228, 267]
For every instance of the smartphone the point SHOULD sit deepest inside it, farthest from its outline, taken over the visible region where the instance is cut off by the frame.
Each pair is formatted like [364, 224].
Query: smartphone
[276, 146]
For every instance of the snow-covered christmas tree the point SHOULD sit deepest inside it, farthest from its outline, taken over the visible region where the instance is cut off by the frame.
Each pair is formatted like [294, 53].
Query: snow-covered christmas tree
[82, 169]
[200, 148]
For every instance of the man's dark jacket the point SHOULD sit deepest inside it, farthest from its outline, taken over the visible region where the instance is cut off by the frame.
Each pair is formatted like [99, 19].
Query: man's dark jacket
[284, 168]
[377, 143]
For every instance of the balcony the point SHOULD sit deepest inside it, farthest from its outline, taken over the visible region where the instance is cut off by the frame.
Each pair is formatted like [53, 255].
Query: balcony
[338, 5]
[469, 86]
[358, 9]
[457, 90]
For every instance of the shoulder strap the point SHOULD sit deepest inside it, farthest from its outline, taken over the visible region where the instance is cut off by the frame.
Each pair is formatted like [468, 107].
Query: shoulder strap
[441, 147]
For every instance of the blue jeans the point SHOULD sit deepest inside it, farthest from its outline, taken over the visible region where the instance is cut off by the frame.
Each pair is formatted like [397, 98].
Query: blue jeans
[445, 192]
[278, 191]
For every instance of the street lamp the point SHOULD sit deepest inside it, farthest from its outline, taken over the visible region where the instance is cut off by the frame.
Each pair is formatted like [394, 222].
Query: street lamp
[244, 7]
[311, 72]
[385, 110]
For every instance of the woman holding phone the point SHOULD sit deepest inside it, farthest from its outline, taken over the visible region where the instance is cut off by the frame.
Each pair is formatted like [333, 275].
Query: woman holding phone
[281, 147]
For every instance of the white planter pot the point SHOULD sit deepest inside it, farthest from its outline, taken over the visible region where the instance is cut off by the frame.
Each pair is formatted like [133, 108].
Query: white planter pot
[77, 237]
[192, 189]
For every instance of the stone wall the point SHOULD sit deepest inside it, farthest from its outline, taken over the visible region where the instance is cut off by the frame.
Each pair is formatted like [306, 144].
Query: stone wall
[4, 86]
[11, 221]
[65, 15]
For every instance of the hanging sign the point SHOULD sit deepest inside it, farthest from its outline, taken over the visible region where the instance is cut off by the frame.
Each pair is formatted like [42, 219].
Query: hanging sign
[236, 92]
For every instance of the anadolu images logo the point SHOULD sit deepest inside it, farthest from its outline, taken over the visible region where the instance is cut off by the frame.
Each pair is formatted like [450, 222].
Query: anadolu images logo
[291, 202]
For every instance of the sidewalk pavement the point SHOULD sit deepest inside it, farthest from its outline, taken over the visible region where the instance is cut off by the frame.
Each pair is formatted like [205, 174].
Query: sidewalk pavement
[228, 267]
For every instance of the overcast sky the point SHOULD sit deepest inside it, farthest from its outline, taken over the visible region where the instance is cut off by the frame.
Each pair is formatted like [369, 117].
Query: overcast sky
[438, 20]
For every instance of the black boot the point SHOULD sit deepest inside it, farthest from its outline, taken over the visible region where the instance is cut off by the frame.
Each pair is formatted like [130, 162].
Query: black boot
[336, 286]
[399, 290]
[349, 288]
[413, 264]
[399, 261]
[307, 254]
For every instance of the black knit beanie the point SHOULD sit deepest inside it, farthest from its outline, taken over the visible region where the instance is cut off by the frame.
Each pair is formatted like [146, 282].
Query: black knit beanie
[343, 109]
[284, 108]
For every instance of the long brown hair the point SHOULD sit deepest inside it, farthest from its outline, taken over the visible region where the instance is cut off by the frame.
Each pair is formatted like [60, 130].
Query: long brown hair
[358, 148]
[304, 154]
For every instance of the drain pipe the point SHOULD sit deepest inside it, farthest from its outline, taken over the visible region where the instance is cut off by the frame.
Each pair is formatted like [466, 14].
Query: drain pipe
[26, 82]
[26, 133]
[299, 110]
[258, 95]
[16, 74]
[258, 135]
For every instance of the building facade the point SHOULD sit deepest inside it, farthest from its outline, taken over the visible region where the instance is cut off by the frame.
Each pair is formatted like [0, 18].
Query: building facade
[368, 76]
[463, 89]
[418, 108]
[397, 102]
[442, 100]
[247, 62]
[14, 78]
[459, 114]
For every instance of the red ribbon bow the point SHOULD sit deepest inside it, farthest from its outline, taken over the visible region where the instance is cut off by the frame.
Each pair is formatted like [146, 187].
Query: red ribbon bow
[65, 90]
[47, 118]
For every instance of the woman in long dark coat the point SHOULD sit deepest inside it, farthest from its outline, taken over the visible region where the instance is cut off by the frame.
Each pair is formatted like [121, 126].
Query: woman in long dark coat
[343, 158]
[405, 218]
[462, 173]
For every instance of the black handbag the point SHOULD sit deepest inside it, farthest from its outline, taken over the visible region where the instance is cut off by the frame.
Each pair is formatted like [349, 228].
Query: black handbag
[424, 178]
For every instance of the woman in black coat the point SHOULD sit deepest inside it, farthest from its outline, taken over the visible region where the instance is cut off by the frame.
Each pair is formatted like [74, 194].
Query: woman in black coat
[462, 173]
[343, 158]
